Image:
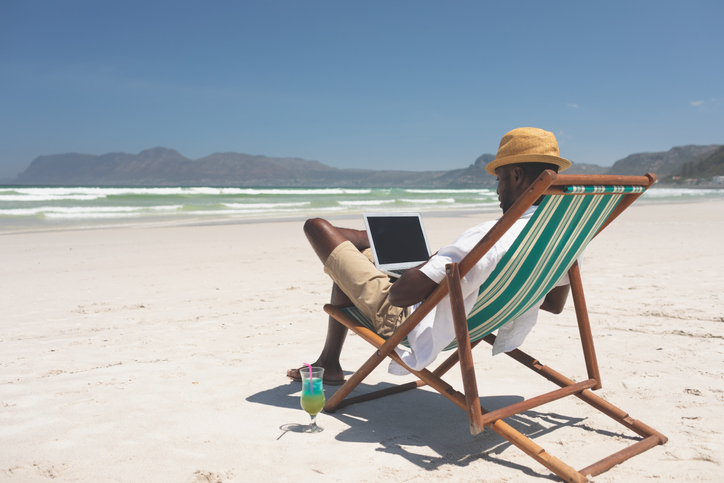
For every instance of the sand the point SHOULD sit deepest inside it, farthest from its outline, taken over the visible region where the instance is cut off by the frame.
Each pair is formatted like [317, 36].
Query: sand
[158, 354]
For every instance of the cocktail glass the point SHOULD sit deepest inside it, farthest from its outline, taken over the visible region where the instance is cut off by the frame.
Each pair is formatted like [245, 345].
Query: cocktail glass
[312, 395]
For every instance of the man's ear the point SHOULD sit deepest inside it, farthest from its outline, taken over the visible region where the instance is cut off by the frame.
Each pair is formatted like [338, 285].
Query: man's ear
[519, 175]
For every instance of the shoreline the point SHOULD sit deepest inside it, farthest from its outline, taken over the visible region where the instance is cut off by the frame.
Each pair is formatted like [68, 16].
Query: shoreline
[220, 220]
[224, 221]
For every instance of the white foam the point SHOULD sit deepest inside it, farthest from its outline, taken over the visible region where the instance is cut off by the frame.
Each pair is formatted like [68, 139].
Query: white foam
[269, 211]
[428, 201]
[86, 216]
[87, 211]
[293, 191]
[265, 205]
[482, 191]
[49, 197]
[677, 192]
[365, 202]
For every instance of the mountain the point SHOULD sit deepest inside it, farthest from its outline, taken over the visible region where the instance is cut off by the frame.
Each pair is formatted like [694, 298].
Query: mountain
[582, 168]
[664, 163]
[167, 167]
[158, 166]
[707, 166]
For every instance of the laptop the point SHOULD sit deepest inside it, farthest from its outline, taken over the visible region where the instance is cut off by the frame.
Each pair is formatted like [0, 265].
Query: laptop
[397, 240]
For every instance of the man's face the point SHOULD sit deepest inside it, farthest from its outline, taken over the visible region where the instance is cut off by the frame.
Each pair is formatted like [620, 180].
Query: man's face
[507, 184]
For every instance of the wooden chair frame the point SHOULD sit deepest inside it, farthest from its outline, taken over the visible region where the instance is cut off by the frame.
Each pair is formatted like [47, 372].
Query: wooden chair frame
[548, 183]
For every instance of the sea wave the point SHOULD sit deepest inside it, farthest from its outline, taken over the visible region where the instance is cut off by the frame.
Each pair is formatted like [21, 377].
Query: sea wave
[80, 206]
[83, 193]
[305, 191]
[679, 192]
[265, 212]
[91, 215]
[49, 197]
[365, 202]
[86, 212]
[482, 191]
[265, 205]
[430, 201]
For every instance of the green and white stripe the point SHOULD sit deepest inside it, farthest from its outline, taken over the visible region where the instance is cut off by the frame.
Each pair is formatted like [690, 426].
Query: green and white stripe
[551, 241]
[603, 189]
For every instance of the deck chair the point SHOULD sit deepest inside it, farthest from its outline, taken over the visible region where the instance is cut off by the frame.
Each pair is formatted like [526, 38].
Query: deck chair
[574, 209]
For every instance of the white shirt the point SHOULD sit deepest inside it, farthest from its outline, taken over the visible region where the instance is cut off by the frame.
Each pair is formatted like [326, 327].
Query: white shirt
[437, 330]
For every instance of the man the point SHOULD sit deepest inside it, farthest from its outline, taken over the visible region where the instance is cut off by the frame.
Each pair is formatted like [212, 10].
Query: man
[523, 154]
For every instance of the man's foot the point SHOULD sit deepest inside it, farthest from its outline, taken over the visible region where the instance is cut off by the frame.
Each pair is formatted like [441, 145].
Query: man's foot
[294, 375]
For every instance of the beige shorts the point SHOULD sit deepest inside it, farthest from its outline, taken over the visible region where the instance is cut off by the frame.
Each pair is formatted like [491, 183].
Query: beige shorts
[368, 288]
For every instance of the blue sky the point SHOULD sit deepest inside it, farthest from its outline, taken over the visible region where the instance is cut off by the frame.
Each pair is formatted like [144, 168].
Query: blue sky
[415, 85]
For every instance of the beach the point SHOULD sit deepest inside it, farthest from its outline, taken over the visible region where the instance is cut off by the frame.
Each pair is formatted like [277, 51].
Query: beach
[158, 353]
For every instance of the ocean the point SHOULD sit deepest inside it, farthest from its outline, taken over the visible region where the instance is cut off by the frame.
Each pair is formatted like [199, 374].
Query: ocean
[32, 208]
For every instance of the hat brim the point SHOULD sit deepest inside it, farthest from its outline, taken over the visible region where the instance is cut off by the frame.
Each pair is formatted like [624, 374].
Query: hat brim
[562, 163]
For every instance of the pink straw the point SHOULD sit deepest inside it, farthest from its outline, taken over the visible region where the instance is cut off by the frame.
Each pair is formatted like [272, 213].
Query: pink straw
[311, 386]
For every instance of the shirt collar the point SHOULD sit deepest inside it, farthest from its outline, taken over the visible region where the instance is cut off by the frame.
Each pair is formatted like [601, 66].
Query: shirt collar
[529, 212]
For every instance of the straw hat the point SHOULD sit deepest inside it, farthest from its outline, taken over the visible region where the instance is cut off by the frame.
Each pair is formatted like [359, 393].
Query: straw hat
[527, 145]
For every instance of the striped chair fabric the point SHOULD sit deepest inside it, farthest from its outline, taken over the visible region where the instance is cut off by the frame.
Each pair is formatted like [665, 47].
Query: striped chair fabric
[551, 241]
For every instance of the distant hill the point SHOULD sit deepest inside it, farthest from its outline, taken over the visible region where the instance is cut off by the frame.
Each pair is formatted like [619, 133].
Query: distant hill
[663, 164]
[706, 166]
[167, 167]
[160, 166]
[582, 168]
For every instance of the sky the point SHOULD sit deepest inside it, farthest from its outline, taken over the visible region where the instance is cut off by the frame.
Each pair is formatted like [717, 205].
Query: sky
[413, 85]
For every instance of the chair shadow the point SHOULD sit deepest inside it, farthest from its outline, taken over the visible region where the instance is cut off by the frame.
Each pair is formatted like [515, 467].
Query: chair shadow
[387, 422]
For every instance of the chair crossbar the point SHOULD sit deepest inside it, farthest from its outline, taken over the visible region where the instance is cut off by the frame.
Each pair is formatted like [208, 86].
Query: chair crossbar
[534, 402]
[578, 189]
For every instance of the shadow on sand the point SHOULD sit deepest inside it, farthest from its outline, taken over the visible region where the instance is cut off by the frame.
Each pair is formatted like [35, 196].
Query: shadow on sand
[433, 422]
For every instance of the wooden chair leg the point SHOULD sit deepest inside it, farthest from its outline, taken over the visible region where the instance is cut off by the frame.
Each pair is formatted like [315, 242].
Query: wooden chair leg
[584, 325]
[470, 385]
[359, 375]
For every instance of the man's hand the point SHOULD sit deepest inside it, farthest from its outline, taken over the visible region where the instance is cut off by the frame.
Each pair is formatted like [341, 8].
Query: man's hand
[556, 299]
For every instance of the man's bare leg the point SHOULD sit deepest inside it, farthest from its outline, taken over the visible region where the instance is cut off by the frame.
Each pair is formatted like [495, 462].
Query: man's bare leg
[336, 334]
[324, 238]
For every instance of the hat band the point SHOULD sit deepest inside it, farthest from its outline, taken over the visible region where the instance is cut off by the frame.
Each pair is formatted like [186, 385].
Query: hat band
[562, 163]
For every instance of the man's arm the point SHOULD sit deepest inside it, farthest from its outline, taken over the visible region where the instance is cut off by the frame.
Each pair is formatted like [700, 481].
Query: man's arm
[412, 287]
[556, 299]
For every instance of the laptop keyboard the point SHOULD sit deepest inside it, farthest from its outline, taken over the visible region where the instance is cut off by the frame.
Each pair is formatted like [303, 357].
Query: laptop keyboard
[398, 271]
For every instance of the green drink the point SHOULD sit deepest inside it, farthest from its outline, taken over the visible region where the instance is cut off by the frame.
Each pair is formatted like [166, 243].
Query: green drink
[312, 395]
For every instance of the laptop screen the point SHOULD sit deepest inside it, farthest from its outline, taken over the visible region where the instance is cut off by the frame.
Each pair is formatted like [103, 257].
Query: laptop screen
[398, 239]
